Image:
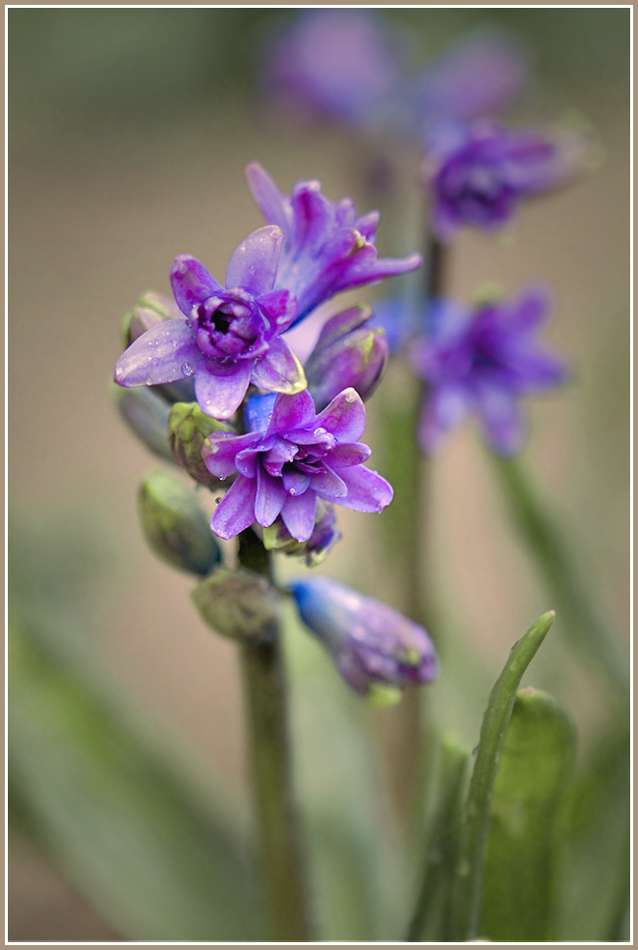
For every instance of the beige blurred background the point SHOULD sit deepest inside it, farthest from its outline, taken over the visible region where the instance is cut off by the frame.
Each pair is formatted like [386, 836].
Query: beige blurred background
[129, 136]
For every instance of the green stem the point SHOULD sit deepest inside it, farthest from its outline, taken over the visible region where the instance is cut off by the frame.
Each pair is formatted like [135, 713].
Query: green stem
[271, 767]
[581, 624]
[466, 904]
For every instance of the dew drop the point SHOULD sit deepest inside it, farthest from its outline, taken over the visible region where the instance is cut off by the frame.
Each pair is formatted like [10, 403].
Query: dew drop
[319, 431]
[351, 397]
[187, 369]
[149, 381]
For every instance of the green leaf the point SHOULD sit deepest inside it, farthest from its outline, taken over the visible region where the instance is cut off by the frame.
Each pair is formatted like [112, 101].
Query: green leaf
[466, 902]
[527, 822]
[130, 837]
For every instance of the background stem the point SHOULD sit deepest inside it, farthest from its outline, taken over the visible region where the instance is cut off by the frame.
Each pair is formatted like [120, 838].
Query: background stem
[271, 768]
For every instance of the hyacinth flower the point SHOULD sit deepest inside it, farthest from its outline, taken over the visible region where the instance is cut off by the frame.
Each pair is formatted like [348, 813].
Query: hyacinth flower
[229, 337]
[477, 173]
[482, 360]
[349, 352]
[347, 65]
[327, 248]
[288, 459]
[372, 645]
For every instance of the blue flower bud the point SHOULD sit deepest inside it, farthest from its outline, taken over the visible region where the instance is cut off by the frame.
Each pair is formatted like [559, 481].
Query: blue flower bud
[174, 525]
[371, 644]
[348, 352]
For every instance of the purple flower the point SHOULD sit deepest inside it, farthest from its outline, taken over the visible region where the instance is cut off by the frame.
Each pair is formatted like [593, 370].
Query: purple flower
[324, 536]
[371, 644]
[230, 337]
[477, 173]
[290, 457]
[349, 352]
[483, 360]
[327, 248]
[337, 63]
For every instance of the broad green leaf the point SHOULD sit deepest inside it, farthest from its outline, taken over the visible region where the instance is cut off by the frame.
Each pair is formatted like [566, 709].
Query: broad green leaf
[116, 821]
[527, 822]
[466, 903]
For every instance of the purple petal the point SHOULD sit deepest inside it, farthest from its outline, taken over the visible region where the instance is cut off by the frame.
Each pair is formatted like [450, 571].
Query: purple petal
[291, 412]
[444, 409]
[298, 513]
[367, 490]
[219, 389]
[531, 309]
[343, 456]
[329, 485]
[236, 510]
[279, 370]
[295, 482]
[219, 451]
[345, 417]
[191, 283]
[163, 354]
[501, 419]
[253, 265]
[271, 495]
[267, 196]
[280, 306]
[367, 225]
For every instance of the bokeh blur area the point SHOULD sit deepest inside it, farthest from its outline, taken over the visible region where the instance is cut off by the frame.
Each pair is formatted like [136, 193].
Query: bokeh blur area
[129, 133]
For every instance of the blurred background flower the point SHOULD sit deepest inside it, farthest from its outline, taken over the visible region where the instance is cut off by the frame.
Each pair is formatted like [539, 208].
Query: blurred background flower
[129, 132]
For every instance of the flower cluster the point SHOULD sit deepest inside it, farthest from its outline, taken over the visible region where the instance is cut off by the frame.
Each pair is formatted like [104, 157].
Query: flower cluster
[482, 360]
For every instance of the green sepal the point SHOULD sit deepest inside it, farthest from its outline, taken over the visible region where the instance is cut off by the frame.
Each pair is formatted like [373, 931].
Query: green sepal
[188, 429]
[174, 525]
[240, 604]
[146, 414]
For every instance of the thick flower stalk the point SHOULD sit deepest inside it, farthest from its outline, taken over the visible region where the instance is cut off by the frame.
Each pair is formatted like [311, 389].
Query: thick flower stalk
[371, 644]
[327, 248]
[288, 459]
[477, 173]
[230, 337]
[483, 360]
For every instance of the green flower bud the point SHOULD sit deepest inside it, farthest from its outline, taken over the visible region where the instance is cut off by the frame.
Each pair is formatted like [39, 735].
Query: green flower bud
[174, 525]
[239, 604]
[150, 310]
[146, 414]
[188, 427]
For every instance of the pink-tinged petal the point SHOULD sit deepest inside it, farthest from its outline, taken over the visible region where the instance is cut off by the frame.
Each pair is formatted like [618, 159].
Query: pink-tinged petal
[444, 409]
[329, 486]
[279, 370]
[270, 497]
[163, 354]
[253, 265]
[280, 307]
[220, 451]
[367, 225]
[220, 388]
[343, 456]
[367, 490]
[298, 513]
[313, 216]
[292, 412]
[344, 417]
[236, 510]
[345, 213]
[191, 282]
[246, 462]
[266, 194]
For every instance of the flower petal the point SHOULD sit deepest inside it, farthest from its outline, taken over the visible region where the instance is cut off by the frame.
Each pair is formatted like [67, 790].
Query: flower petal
[220, 388]
[298, 513]
[279, 370]
[292, 412]
[367, 490]
[345, 455]
[501, 419]
[443, 410]
[344, 417]
[236, 510]
[220, 450]
[163, 354]
[191, 282]
[329, 486]
[253, 265]
[271, 495]
[280, 307]
[266, 194]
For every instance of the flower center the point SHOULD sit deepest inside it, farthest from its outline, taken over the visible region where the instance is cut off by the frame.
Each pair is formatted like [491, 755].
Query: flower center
[229, 328]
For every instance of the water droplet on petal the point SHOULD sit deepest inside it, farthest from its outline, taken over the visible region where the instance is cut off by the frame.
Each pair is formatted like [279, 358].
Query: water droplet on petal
[319, 431]
[149, 381]
[351, 397]
[188, 369]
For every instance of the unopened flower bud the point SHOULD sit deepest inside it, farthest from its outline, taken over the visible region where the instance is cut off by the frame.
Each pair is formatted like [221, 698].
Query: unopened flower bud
[150, 310]
[373, 646]
[188, 428]
[325, 535]
[348, 352]
[146, 414]
[239, 604]
[174, 525]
